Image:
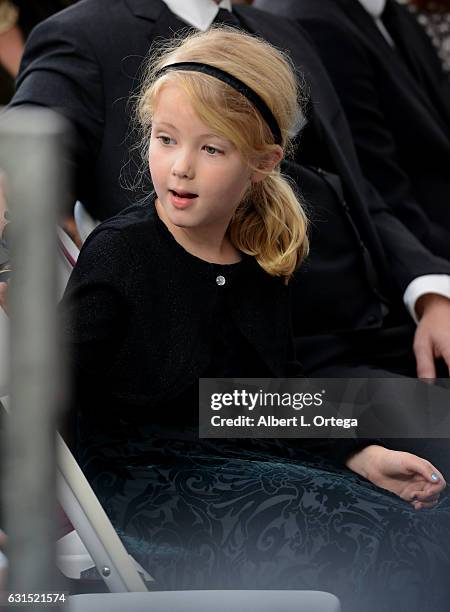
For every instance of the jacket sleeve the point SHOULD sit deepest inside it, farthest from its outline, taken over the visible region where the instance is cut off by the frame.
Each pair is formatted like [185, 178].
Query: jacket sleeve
[59, 70]
[407, 257]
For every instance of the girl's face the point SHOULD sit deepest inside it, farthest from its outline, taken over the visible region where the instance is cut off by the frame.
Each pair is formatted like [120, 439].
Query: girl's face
[199, 177]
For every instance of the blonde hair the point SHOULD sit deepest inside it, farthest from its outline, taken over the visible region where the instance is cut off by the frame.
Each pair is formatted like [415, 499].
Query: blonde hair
[270, 223]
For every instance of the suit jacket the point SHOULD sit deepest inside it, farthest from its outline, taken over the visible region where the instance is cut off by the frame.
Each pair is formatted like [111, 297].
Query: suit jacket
[397, 101]
[74, 62]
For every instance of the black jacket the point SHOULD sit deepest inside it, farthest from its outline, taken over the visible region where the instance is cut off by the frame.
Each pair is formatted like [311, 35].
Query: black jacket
[397, 102]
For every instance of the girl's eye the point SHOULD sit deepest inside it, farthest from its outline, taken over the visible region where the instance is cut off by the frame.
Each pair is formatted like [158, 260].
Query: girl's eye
[165, 140]
[212, 150]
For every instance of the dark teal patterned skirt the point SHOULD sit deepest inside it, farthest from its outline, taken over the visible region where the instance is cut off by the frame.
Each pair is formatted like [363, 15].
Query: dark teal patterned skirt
[265, 514]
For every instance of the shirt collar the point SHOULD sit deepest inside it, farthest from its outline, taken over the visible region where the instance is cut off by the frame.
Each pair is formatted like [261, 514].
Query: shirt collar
[198, 13]
[373, 7]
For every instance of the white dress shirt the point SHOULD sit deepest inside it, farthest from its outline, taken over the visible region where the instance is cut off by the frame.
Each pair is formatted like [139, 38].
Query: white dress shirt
[201, 13]
[198, 13]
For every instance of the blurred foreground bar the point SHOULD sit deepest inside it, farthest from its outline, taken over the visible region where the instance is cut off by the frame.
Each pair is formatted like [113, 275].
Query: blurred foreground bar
[31, 155]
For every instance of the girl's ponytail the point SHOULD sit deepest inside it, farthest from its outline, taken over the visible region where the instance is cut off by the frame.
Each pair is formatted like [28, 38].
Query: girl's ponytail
[271, 225]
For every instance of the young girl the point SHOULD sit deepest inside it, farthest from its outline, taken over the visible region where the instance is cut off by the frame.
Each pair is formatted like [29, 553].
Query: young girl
[194, 283]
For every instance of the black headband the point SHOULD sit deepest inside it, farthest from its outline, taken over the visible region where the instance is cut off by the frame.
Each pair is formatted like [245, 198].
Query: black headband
[236, 84]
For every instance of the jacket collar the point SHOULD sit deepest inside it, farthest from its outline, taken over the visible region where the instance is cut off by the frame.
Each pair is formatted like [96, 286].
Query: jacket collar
[162, 23]
[374, 7]
[199, 14]
[153, 9]
[147, 9]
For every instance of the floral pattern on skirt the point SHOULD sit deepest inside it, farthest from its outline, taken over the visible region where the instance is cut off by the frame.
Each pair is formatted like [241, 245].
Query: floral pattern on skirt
[211, 515]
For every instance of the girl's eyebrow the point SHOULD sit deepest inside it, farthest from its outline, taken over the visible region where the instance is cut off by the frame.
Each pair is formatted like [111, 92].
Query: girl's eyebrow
[164, 124]
[167, 124]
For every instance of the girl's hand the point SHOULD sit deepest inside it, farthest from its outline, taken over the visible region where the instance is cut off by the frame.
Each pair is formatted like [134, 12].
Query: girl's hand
[410, 477]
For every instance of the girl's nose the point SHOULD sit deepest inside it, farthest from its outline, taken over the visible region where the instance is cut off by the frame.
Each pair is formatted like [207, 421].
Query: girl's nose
[183, 167]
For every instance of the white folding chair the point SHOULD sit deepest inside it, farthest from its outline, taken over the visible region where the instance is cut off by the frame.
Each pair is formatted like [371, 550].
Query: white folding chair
[4, 344]
[207, 601]
[120, 572]
[83, 220]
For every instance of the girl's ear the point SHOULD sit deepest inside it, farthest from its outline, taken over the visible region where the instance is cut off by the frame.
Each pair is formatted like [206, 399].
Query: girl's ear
[266, 164]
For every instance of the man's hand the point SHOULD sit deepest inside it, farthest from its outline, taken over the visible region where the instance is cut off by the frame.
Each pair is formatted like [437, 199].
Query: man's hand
[410, 477]
[432, 338]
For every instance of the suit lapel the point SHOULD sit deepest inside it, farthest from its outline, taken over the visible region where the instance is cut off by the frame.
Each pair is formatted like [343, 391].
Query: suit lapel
[324, 102]
[365, 26]
[165, 23]
[419, 55]
[147, 9]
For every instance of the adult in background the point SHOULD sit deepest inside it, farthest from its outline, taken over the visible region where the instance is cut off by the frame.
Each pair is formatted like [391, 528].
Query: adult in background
[397, 100]
[17, 19]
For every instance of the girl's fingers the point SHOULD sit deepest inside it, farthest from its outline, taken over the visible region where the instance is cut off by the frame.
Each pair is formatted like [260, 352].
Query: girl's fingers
[422, 499]
[437, 478]
[417, 505]
[426, 469]
[422, 496]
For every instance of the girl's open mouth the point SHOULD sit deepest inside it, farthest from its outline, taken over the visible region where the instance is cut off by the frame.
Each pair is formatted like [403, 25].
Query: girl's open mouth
[182, 199]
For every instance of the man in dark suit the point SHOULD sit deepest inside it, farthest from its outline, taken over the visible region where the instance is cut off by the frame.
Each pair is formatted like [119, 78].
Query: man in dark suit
[397, 100]
[86, 61]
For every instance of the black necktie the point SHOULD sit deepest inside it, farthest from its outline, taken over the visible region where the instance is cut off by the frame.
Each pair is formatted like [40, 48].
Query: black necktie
[227, 18]
[394, 27]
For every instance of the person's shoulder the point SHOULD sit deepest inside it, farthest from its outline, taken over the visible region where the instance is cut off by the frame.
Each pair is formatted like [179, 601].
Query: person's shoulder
[132, 221]
[261, 15]
[84, 8]
[86, 14]
[289, 10]
[287, 31]
[134, 230]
